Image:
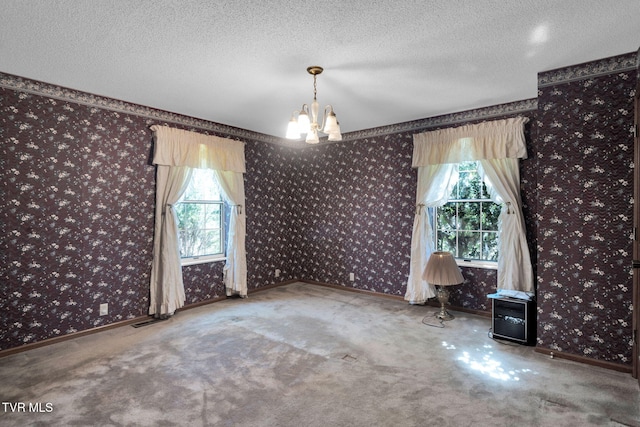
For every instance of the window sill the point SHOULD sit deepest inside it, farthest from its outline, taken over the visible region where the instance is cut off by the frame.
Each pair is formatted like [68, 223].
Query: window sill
[488, 265]
[202, 260]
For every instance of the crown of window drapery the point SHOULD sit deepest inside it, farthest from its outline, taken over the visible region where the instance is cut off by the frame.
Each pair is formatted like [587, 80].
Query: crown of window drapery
[177, 147]
[499, 139]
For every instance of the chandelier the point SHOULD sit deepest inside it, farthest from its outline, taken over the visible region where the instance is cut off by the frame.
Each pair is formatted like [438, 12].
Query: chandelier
[304, 124]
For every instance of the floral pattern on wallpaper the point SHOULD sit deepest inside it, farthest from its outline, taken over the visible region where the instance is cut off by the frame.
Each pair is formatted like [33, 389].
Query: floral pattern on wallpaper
[79, 189]
[356, 204]
[77, 226]
[585, 216]
[78, 220]
[270, 206]
[203, 282]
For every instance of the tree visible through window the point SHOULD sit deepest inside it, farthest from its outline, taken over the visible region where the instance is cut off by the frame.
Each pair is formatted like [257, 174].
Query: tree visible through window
[200, 215]
[467, 225]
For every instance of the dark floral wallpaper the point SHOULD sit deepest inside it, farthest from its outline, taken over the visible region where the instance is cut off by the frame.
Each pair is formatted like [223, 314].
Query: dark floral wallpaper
[77, 225]
[270, 205]
[78, 216]
[355, 213]
[585, 215]
[356, 204]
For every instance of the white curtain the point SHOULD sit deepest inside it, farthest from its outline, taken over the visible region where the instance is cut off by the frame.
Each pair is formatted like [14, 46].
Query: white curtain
[176, 153]
[497, 145]
[503, 182]
[235, 270]
[435, 183]
[167, 288]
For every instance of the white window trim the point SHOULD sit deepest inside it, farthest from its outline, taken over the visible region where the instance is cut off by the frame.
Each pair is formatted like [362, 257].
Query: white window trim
[202, 259]
[476, 263]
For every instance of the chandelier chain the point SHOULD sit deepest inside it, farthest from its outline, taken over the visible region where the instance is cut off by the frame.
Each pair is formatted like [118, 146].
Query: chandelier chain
[314, 86]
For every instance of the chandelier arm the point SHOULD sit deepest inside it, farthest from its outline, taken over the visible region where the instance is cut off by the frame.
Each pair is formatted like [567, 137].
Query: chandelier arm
[327, 110]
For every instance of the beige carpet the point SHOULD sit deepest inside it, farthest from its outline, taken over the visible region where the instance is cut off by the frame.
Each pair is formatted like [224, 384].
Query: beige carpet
[306, 355]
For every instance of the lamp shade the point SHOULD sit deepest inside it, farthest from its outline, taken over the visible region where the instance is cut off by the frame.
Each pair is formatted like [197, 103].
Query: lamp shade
[312, 137]
[442, 270]
[303, 121]
[331, 125]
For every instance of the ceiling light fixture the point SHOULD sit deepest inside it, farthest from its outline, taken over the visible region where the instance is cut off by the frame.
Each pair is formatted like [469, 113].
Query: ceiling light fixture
[304, 124]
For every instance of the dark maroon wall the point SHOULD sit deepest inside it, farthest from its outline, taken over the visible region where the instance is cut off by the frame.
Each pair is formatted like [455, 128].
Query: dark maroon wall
[585, 214]
[77, 224]
[78, 216]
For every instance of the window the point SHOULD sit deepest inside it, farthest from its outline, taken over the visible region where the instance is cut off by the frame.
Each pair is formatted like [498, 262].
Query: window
[467, 225]
[200, 215]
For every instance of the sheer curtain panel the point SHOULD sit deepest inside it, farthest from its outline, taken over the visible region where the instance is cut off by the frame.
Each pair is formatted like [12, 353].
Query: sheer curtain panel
[435, 183]
[176, 153]
[497, 145]
[167, 288]
[235, 270]
[514, 265]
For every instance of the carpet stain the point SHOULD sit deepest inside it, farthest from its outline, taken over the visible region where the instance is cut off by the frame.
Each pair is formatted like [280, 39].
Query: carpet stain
[303, 355]
[349, 358]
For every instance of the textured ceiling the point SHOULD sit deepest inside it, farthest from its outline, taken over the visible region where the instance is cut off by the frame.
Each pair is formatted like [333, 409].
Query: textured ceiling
[243, 63]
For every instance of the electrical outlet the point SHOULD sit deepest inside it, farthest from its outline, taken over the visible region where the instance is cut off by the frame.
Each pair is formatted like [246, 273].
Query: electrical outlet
[104, 309]
[352, 277]
[277, 273]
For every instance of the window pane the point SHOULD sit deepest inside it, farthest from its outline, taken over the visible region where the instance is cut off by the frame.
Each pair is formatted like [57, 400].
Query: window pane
[212, 216]
[189, 241]
[200, 215]
[485, 194]
[467, 166]
[490, 215]
[470, 186]
[188, 215]
[447, 217]
[454, 192]
[469, 215]
[490, 246]
[203, 186]
[200, 228]
[211, 242]
[469, 244]
[447, 242]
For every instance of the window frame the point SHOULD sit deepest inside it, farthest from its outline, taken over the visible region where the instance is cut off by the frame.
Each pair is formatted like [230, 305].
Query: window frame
[464, 262]
[202, 259]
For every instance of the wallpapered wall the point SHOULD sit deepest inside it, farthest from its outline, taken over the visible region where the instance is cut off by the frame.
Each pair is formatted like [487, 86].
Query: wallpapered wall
[77, 227]
[77, 216]
[585, 214]
[356, 204]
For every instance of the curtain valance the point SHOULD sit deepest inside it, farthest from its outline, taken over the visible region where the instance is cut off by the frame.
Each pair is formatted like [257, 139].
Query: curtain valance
[177, 147]
[177, 153]
[499, 139]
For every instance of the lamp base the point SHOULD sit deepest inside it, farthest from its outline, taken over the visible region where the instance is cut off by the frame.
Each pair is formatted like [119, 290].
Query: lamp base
[443, 298]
